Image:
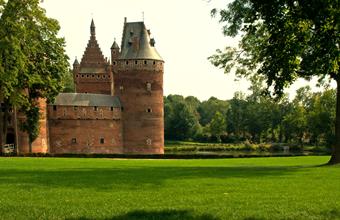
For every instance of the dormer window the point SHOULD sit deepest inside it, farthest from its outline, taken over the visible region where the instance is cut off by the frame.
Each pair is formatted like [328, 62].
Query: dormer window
[152, 42]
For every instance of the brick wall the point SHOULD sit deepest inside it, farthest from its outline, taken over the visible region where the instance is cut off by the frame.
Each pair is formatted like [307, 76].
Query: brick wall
[85, 129]
[97, 83]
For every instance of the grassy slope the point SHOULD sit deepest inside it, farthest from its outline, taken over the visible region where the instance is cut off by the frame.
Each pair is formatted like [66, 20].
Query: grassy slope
[258, 188]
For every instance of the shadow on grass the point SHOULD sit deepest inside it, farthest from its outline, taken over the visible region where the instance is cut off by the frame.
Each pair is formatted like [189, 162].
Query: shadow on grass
[332, 214]
[155, 215]
[106, 178]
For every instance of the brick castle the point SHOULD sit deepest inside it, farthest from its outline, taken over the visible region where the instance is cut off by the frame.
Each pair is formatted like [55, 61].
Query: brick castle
[117, 107]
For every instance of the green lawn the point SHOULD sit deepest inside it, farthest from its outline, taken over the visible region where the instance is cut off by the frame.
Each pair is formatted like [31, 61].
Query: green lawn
[254, 188]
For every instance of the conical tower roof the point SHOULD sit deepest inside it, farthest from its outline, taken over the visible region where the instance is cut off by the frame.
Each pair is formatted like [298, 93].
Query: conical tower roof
[76, 61]
[137, 44]
[114, 45]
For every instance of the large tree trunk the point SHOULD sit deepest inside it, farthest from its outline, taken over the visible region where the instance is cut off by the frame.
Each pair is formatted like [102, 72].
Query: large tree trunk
[280, 134]
[4, 122]
[30, 145]
[335, 159]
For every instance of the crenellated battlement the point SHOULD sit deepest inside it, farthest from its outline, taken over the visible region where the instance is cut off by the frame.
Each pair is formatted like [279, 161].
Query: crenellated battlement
[130, 65]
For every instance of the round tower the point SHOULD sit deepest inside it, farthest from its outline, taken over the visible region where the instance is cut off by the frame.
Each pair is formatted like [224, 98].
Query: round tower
[139, 85]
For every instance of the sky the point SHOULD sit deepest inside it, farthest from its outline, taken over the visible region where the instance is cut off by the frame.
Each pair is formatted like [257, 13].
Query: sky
[185, 33]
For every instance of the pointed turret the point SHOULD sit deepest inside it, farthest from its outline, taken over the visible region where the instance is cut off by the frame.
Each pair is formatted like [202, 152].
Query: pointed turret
[114, 51]
[93, 53]
[115, 45]
[93, 28]
[75, 63]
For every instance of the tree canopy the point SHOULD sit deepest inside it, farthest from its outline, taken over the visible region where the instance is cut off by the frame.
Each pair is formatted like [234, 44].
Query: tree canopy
[305, 121]
[283, 40]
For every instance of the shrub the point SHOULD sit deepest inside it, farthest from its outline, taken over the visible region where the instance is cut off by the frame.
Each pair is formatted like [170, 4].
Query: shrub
[249, 146]
[296, 148]
[276, 147]
[263, 147]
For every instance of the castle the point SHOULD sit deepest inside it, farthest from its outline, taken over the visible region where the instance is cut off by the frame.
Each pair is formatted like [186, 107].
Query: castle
[117, 107]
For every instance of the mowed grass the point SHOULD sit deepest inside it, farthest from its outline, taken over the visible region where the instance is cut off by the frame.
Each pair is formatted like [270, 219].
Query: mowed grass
[253, 188]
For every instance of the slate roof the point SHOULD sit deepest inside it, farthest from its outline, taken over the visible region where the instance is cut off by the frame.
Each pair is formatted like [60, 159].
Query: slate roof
[114, 45]
[137, 44]
[87, 99]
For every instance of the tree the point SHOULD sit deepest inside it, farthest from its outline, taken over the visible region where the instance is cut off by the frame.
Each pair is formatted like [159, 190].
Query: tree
[181, 122]
[33, 63]
[208, 109]
[236, 120]
[295, 123]
[320, 117]
[258, 112]
[217, 125]
[283, 40]
[68, 82]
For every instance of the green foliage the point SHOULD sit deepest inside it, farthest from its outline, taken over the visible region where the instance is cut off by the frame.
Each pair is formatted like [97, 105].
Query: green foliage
[207, 109]
[66, 188]
[68, 82]
[32, 58]
[321, 117]
[31, 124]
[217, 125]
[181, 122]
[306, 120]
[282, 41]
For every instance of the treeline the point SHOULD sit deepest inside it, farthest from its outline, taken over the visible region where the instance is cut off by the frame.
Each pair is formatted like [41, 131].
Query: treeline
[307, 119]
